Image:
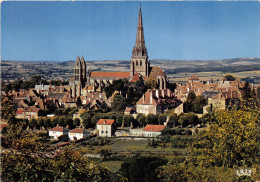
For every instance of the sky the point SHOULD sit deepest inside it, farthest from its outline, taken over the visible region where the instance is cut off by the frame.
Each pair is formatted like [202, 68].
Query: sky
[63, 30]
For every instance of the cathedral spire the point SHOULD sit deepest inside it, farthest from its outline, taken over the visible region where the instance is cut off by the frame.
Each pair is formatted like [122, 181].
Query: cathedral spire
[139, 50]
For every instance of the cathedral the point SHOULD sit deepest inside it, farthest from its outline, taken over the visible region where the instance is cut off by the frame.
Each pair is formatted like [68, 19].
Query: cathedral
[140, 69]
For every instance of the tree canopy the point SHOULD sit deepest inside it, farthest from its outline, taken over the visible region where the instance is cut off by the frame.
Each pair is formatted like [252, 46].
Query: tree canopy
[230, 142]
[230, 78]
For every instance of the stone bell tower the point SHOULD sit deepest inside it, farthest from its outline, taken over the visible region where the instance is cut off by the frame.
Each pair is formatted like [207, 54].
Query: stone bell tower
[140, 62]
[79, 77]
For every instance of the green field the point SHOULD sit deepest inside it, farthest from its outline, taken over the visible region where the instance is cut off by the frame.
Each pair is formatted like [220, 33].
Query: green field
[123, 148]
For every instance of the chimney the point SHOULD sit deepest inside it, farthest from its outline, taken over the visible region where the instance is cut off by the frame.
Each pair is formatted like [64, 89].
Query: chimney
[151, 96]
[157, 93]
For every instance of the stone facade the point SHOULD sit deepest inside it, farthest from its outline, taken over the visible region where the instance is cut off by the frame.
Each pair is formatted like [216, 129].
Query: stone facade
[156, 101]
[139, 65]
[80, 77]
[106, 127]
[58, 131]
[78, 133]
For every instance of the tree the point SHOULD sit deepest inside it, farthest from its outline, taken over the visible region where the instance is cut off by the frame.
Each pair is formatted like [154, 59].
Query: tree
[151, 83]
[119, 119]
[76, 122]
[7, 109]
[207, 118]
[64, 138]
[246, 93]
[7, 87]
[62, 121]
[192, 119]
[183, 171]
[231, 141]
[142, 169]
[162, 119]
[127, 120]
[141, 119]
[152, 119]
[32, 123]
[94, 120]
[47, 123]
[183, 120]
[198, 104]
[250, 97]
[36, 79]
[40, 122]
[105, 153]
[117, 85]
[87, 120]
[55, 121]
[118, 104]
[188, 105]
[29, 160]
[230, 78]
[173, 119]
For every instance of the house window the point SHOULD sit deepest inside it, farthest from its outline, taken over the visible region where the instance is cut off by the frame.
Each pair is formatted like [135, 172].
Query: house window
[140, 63]
[106, 132]
[102, 131]
[136, 63]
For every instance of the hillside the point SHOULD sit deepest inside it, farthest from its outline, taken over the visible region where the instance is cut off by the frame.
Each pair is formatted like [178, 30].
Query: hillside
[177, 70]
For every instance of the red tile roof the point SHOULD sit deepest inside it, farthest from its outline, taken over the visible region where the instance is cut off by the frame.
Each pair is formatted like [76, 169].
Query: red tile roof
[227, 95]
[156, 71]
[154, 128]
[59, 128]
[20, 110]
[111, 74]
[135, 78]
[106, 121]
[157, 97]
[3, 125]
[78, 130]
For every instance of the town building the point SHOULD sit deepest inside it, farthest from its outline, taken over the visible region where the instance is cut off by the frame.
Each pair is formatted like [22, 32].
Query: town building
[226, 100]
[58, 131]
[79, 114]
[29, 113]
[95, 81]
[106, 127]
[80, 77]
[156, 101]
[153, 130]
[78, 133]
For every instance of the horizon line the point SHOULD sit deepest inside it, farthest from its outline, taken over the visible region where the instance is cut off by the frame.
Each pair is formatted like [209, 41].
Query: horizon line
[156, 59]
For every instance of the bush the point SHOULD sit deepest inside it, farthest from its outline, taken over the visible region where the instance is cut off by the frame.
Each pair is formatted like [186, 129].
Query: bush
[97, 141]
[176, 131]
[64, 138]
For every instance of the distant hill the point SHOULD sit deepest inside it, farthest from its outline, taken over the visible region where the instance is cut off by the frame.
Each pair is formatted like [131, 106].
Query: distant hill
[63, 70]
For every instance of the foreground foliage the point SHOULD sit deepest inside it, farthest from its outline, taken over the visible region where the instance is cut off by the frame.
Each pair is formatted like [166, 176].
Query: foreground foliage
[25, 158]
[230, 143]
